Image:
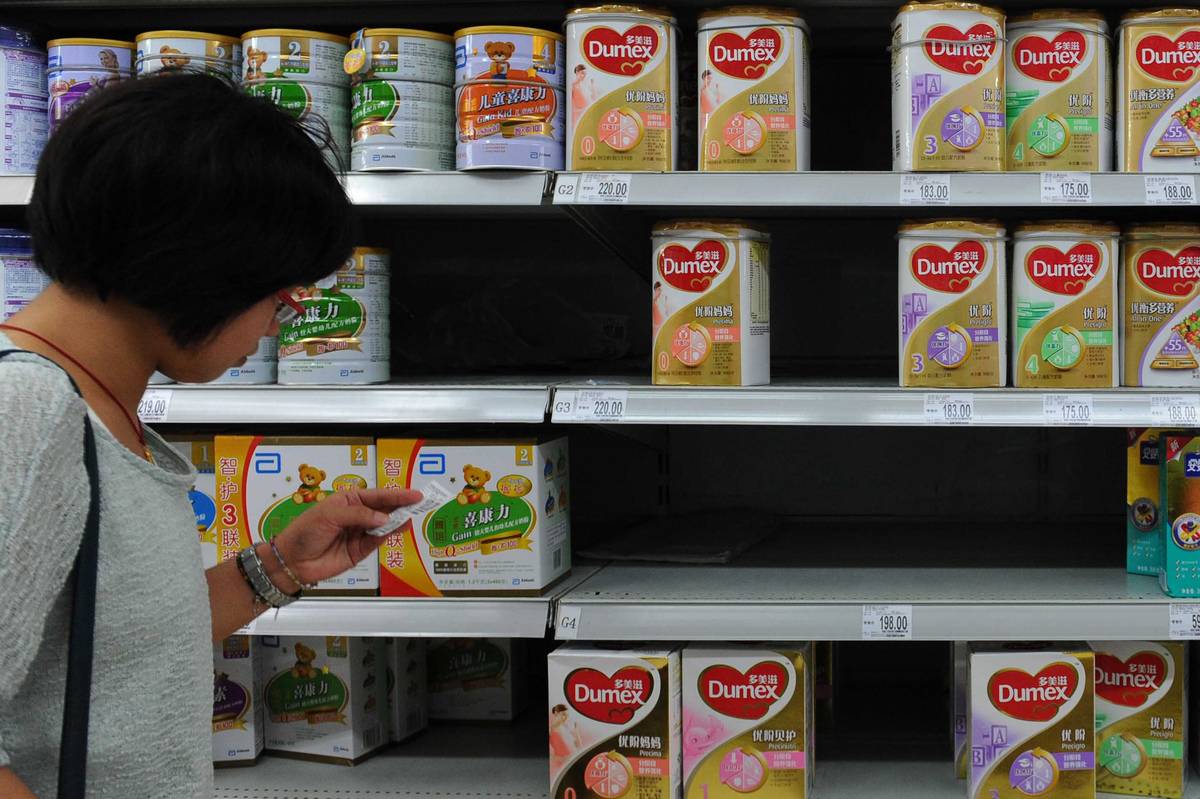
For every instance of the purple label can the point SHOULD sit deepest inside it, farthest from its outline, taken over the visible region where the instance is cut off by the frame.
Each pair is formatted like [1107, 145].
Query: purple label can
[76, 67]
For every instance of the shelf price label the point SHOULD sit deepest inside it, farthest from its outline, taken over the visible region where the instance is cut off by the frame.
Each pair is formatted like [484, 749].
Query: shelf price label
[887, 622]
[1168, 410]
[924, 190]
[602, 188]
[1067, 409]
[566, 627]
[155, 404]
[1170, 190]
[956, 408]
[1184, 621]
[566, 188]
[594, 405]
[1066, 187]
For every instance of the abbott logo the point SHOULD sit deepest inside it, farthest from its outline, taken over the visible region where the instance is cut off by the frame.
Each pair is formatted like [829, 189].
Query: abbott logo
[431, 463]
[268, 463]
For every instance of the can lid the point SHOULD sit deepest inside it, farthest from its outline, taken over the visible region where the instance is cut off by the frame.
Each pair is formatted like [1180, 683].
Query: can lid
[476, 29]
[16, 38]
[953, 5]
[782, 13]
[619, 8]
[1162, 230]
[299, 34]
[1152, 15]
[14, 240]
[981, 227]
[208, 37]
[1087, 227]
[95, 42]
[1086, 15]
[441, 37]
[733, 228]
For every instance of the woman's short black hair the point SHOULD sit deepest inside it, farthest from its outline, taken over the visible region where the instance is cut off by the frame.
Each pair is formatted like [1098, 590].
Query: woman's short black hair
[186, 197]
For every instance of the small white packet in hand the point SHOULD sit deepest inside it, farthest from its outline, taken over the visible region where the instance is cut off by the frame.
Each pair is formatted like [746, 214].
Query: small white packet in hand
[435, 496]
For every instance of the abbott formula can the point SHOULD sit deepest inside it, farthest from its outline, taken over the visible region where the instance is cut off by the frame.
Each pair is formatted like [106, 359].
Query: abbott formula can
[260, 369]
[1059, 92]
[753, 65]
[948, 88]
[20, 278]
[711, 304]
[1064, 299]
[622, 106]
[344, 336]
[23, 101]
[1158, 106]
[1160, 306]
[509, 98]
[176, 51]
[79, 66]
[302, 73]
[952, 304]
[402, 101]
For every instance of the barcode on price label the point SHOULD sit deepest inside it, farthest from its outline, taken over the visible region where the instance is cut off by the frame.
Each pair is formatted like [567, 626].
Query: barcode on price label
[881, 622]
[569, 619]
[956, 408]
[1170, 190]
[155, 404]
[600, 188]
[1066, 187]
[1175, 409]
[924, 190]
[1067, 409]
[1184, 622]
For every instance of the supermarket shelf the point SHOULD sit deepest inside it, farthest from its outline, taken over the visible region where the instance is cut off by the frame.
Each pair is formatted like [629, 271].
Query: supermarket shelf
[501, 400]
[480, 761]
[508, 617]
[852, 189]
[472, 190]
[845, 402]
[724, 603]
[15, 189]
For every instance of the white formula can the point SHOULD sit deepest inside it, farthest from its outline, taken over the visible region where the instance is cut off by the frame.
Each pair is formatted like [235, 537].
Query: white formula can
[23, 101]
[948, 88]
[343, 338]
[754, 69]
[623, 94]
[187, 51]
[20, 278]
[77, 67]
[260, 369]
[1058, 94]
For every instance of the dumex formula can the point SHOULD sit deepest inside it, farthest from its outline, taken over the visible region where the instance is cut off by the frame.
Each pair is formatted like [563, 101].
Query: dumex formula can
[948, 88]
[1158, 96]
[23, 101]
[754, 71]
[1059, 92]
[623, 94]
[187, 51]
[509, 98]
[79, 66]
[1160, 306]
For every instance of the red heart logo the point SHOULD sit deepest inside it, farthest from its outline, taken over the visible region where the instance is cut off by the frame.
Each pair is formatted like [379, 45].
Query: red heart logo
[620, 53]
[1129, 682]
[1172, 275]
[1176, 61]
[1063, 272]
[611, 700]
[1049, 60]
[694, 269]
[948, 270]
[1033, 697]
[745, 57]
[951, 49]
[743, 695]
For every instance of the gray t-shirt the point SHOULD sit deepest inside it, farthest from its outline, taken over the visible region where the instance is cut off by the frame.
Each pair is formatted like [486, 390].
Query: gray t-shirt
[151, 713]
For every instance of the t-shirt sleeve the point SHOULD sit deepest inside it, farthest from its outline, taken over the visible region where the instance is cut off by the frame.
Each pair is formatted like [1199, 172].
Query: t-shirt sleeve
[42, 509]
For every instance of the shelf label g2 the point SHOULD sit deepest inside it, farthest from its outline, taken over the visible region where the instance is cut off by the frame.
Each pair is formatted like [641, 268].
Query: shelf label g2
[601, 188]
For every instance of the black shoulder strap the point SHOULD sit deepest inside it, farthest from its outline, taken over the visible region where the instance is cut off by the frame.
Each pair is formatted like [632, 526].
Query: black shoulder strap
[72, 758]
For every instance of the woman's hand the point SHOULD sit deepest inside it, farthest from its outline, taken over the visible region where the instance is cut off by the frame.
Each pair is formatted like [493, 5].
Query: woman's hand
[331, 537]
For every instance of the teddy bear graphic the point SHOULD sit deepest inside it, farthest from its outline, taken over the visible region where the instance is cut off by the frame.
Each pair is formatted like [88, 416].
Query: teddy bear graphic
[304, 668]
[255, 59]
[310, 485]
[499, 53]
[475, 491]
[172, 58]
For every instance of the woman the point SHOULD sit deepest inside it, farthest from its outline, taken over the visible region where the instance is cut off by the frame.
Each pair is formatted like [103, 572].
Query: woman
[169, 214]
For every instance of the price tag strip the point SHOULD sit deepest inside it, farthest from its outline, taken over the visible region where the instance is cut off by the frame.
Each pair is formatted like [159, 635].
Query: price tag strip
[595, 405]
[566, 628]
[1170, 190]
[435, 496]
[155, 404]
[1068, 409]
[601, 188]
[887, 622]
[1169, 410]
[1183, 624]
[924, 190]
[957, 408]
[1066, 187]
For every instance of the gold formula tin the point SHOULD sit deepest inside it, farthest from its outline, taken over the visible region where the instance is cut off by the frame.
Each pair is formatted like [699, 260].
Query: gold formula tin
[1160, 306]
[176, 51]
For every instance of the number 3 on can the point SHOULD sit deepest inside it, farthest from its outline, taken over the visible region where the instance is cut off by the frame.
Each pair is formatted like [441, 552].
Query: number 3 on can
[931, 145]
[918, 364]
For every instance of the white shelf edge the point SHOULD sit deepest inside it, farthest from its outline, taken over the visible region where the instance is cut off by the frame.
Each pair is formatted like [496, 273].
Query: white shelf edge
[497, 189]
